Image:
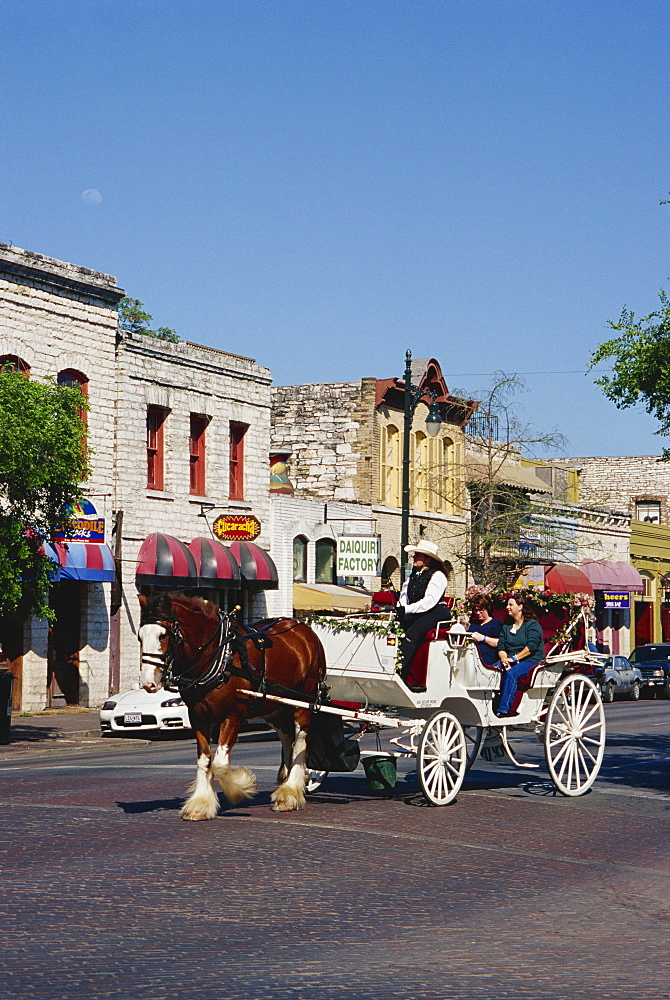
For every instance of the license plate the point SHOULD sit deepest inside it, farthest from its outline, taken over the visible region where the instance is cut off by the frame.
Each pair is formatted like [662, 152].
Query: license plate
[132, 719]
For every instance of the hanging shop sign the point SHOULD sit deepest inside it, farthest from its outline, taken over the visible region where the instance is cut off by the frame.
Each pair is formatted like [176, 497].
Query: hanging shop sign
[616, 600]
[358, 555]
[83, 524]
[237, 527]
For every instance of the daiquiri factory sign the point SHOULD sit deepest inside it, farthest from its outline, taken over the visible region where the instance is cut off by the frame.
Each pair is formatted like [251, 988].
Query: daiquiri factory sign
[358, 555]
[237, 527]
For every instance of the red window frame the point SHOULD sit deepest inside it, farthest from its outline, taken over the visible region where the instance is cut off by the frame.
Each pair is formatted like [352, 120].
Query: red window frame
[155, 447]
[13, 363]
[72, 378]
[236, 460]
[197, 429]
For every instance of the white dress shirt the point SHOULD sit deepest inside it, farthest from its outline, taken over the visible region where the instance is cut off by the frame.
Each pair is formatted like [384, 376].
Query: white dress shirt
[434, 594]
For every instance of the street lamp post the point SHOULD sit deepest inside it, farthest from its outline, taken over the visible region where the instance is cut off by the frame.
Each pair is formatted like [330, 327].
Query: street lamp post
[413, 396]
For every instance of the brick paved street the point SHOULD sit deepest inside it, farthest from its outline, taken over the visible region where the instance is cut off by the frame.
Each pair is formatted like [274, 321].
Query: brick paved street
[510, 892]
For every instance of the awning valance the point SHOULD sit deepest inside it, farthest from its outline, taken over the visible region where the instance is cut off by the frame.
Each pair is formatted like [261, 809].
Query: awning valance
[164, 561]
[91, 562]
[505, 473]
[564, 578]
[257, 570]
[329, 597]
[606, 575]
[216, 566]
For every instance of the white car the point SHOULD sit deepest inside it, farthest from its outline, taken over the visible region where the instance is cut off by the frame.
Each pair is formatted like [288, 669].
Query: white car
[144, 712]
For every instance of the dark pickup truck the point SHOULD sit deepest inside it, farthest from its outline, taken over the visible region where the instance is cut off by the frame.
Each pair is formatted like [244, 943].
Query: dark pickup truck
[653, 661]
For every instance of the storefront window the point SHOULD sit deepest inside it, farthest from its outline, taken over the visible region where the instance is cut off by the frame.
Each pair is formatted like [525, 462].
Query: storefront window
[325, 561]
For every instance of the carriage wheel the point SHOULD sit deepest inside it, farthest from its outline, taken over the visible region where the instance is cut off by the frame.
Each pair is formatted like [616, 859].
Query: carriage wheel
[314, 780]
[574, 739]
[441, 758]
[473, 742]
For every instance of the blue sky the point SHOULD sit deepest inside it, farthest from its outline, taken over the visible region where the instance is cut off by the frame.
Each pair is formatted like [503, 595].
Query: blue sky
[321, 185]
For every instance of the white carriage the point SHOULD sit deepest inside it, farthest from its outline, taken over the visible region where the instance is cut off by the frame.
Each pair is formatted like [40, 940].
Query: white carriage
[445, 727]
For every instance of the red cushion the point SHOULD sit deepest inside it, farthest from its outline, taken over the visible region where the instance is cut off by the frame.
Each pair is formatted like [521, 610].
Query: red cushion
[523, 684]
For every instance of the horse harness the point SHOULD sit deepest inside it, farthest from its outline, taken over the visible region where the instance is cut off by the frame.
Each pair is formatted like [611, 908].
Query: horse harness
[225, 641]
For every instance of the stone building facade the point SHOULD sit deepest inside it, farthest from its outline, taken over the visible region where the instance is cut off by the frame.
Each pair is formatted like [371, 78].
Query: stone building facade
[200, 405]
[60, 320]
[346, 445]
[184, 382]
[638, 485]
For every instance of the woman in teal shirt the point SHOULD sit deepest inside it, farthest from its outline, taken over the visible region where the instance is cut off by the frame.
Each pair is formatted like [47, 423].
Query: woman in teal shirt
[521, 646]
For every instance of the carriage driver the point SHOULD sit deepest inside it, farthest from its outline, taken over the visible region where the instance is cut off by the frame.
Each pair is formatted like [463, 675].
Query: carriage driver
[421, 603]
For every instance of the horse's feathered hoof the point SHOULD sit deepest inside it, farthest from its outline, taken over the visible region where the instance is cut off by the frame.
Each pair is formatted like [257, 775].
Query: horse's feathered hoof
[195, 817]
[237, 783]
[287, 800]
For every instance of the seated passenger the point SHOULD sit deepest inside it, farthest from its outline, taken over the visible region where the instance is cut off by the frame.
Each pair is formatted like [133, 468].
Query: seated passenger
[421, 603]
[485, 631]
[520, 647]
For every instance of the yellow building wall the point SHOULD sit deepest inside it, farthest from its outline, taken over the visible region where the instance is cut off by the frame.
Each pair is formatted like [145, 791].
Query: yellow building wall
[650, 555]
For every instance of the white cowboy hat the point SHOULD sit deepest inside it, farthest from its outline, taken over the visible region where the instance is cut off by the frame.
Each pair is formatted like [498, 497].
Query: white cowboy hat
[427, 549]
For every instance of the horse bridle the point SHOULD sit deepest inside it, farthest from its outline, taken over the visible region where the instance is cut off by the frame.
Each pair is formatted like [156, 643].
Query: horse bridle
[217, 673]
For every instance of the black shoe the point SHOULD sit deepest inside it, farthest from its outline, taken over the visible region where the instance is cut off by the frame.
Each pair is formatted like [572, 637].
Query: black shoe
[505, 715]
[416, 688]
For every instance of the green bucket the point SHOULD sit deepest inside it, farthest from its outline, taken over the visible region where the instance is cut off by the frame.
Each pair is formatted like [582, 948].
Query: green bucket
[381, 772]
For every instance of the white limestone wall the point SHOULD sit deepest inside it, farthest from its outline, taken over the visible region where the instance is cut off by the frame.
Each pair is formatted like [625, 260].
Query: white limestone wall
[185, 378]
[55, 315]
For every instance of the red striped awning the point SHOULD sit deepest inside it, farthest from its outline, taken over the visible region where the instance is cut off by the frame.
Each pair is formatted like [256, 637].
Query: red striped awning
[89, 561]
[215, 564]
[164, 561]
[566, 579]
[257, 570]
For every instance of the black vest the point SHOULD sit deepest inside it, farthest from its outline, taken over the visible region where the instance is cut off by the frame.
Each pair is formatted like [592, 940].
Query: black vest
[418, 584]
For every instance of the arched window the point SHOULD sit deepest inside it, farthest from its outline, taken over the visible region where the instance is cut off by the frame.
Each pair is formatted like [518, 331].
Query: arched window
[74, 379]
[299, 559]
[390, 466]
[391, 572]
[13, 363]
[325, 561]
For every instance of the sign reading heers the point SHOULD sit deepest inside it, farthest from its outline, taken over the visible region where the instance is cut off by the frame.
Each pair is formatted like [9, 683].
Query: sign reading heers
[358, 555]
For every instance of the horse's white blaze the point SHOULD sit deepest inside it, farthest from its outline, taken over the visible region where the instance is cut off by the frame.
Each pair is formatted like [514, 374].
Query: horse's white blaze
[203, 802]
[237, 783]
[291, 793]
[152, 659]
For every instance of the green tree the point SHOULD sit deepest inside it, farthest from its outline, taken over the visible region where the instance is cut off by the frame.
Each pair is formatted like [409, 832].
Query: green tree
[640, 365]
[42, 462]
[134, 318]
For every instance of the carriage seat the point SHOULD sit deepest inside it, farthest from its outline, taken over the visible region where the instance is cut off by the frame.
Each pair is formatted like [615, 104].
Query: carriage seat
[418, 673]
[525, 683]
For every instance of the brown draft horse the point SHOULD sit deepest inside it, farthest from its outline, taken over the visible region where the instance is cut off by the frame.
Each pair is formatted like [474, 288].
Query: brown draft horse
[205, 654]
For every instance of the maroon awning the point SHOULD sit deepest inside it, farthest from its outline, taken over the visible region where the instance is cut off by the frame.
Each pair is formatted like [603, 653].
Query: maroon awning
[257, 570]
[606, 575]
[566, 579]
[164, 561]
[215, 564]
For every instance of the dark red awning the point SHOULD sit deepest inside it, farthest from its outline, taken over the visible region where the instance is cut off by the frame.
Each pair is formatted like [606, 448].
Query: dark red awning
[566, 579]
[164, 561]
[216, 565]
[257, 570]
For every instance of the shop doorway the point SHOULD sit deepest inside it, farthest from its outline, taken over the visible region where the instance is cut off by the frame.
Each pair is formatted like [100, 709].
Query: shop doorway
[11, 656]
[64, 645]
[643, 622]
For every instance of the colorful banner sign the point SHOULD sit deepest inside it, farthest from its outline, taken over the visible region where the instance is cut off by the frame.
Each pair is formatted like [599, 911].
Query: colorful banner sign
[616, 600]
[358, 555]
[83, 524]
[237, 527]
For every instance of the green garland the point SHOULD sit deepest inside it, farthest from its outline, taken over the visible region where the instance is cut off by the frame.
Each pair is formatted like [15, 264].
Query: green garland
[351, 623]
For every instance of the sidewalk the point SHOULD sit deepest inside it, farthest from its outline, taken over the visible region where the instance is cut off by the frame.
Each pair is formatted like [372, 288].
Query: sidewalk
[60, 729]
